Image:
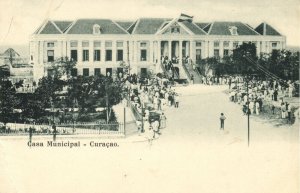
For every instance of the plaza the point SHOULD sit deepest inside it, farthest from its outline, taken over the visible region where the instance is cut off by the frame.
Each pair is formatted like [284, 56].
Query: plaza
[192, 154]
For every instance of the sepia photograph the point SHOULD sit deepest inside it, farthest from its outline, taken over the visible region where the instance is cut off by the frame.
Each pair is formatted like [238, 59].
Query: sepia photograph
[149, 96]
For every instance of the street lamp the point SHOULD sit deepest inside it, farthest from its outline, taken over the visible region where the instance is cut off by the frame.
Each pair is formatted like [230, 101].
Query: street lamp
[247, 92]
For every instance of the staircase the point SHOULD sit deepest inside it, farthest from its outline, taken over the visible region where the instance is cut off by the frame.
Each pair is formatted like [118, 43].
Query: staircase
[190, 71]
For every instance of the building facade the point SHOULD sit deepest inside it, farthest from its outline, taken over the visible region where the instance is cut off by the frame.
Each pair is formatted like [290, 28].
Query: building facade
[103, 45]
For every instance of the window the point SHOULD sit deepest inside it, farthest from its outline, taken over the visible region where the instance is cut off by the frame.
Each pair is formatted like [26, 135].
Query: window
[73, 44]
[143, 55]
[216, 44]
[226, 44]
[74, 55]
[85, 72]
[108, 55]
[226, 52]
[31, 57]
[74, 72]
[97, 44]
[216, 53]
[50, 44]
[175, 29]
[119, 44]
[50, 55]
[97, 71]
[85, 44]
[233, 30]
[96, 55]
[143, 44]
[108, 44]
[235, 45]
[119, 55]
[85, 55]
[96, 29]
[198, 55]
[274, 44]
[198, 44]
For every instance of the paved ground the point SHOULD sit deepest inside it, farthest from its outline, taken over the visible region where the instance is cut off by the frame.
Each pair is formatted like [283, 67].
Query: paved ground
[191, 155]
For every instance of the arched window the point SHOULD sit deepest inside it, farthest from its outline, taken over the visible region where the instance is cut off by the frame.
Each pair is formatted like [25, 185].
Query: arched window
[96, 29]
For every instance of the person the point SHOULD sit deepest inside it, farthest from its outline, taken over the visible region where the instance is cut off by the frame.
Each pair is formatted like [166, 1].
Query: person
[192, 79]
[283, 108]
[54, 132]
[162, 121]
[257, 107]
[155, 127]
[289, 111]
[222, 119]
[176, 98]
[30, 134]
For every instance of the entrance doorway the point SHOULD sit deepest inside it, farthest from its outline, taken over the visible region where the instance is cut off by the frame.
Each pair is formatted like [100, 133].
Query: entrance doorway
[143, 72]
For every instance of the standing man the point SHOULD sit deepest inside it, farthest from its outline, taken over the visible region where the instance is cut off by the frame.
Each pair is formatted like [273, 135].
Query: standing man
[54, 132]
[222, 119]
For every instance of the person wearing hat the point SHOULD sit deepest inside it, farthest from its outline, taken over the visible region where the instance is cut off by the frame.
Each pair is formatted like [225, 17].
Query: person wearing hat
[222, 119]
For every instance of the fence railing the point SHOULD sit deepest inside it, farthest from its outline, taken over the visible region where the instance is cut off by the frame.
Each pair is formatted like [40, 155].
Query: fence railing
[64, 129]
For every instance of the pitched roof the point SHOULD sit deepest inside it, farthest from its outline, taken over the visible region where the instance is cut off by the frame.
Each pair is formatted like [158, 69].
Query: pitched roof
[62, 25]
[193, 27]
[266, 29]
[207, 27]
[149, 25]
[201, 25]
[222, 28]
[125, 24]
[85, 26]
[49, 28]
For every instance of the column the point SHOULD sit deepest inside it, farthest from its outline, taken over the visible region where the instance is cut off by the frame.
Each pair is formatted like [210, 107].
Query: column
[187, 48]
[159, 52]
[114, 51]
[42, 51]
[151, 52]
[221, 47]
[180, 52]
[211, 49]
[192, 50]
[135, 51]
[230, 47]
[125, 51]
[79, 52]
[258, 48]
[102, 53]
[170, 50]
[91, 53]
[64, 49]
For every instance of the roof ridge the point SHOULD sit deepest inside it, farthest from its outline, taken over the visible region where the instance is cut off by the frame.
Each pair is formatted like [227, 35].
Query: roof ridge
[199, 27]
[43, 26]
[171, 22]
[185, 27]
[137, 23]
[247, 25]
[210, 27]
[71, 25]
[56, 26]
[120, 27]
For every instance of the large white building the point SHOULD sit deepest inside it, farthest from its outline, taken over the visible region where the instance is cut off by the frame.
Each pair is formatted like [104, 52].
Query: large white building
[101, 45]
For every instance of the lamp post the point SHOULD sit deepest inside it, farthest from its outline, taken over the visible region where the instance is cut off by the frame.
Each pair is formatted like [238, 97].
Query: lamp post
[247, 92]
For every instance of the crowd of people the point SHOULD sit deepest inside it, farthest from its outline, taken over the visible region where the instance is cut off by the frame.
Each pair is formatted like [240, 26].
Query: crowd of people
[150, 97]
[262, 91]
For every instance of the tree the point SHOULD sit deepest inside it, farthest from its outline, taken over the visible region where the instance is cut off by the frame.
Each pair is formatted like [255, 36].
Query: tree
[8, 100]
[241, 64]
[207, 65]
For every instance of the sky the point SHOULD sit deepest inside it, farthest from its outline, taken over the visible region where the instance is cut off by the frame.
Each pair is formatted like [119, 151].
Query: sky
[20, 18]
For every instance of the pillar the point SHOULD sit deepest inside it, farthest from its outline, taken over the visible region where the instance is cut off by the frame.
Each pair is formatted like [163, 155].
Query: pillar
[170, 50]
[180, 52]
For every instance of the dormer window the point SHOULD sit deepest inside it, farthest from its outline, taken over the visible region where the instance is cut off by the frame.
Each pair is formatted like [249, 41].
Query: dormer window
[233, 30]
[96, 29]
